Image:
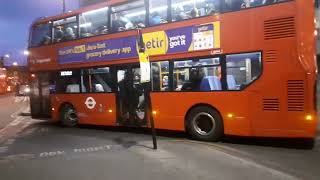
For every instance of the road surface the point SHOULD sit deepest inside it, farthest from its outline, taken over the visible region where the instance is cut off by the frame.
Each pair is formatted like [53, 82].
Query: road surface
[37, 149]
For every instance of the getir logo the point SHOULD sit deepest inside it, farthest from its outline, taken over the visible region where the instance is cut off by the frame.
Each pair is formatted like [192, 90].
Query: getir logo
[155, 43]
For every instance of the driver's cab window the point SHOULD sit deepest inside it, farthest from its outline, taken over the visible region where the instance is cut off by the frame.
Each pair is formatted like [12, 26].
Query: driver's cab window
[41, 35]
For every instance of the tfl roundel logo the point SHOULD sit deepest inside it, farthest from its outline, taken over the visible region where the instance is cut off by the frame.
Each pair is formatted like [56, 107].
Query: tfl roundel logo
[90, 103]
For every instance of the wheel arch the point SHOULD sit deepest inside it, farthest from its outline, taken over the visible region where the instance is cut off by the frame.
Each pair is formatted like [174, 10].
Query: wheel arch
[64, 104]
[200, 105]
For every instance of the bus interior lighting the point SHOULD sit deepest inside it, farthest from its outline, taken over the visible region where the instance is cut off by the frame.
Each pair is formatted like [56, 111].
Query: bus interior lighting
[95, 11]
[135, 14]
[161, 8]
[66, 73]
[181, 4]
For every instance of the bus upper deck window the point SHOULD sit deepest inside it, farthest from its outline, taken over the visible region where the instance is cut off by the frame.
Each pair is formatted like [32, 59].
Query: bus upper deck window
[208, 7]
[158, 12]
[65, 29]
[41, 35]
[94, 22]
[182, 10]
[128, 16]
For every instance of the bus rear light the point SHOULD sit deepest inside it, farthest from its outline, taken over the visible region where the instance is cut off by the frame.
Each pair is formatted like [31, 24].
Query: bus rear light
[52, 109]
[110, 110]
[309, 117]
[33, 75]
[154, 112]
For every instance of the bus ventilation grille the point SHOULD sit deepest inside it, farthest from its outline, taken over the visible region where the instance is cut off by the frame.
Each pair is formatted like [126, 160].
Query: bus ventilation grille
[295, 95]
[279, 28]
[271, 104]
[271, 56]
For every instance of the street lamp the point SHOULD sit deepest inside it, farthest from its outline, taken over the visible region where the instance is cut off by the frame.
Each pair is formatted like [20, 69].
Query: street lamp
[15, 64]
[26, 52]
[7, 56]
[63, 6]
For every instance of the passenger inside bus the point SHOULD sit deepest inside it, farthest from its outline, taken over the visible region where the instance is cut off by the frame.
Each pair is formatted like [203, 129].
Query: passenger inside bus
[129, 97]
[156, 18]
[121, 23]
[69, 34]
[212, 7]
[195, 78]
[180, 14]
[194, 13]
[59, 35]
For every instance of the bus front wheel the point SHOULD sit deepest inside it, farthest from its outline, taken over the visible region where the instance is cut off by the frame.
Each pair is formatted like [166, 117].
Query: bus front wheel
[68, 116]
[205, 124]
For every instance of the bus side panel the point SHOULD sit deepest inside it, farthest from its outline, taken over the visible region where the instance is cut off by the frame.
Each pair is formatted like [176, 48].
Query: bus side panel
[172, 109]
[103, 113]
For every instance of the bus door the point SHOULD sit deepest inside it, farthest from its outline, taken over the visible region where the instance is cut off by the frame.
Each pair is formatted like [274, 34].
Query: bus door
[40, 95]
[130, 96]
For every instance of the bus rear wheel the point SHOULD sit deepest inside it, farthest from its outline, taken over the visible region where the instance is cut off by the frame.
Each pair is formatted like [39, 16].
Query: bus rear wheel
[205, 124]
[68, 116]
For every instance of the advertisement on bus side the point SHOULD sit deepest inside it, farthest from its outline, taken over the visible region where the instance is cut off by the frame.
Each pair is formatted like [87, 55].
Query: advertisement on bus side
[185, 39]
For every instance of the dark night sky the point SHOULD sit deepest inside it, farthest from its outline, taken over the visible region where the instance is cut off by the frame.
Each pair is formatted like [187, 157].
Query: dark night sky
[15, 19]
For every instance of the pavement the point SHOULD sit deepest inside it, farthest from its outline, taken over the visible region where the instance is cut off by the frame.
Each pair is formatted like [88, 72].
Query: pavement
[37, 149]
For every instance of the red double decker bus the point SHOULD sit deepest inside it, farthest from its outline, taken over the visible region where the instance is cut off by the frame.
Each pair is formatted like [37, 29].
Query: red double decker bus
[218, 67]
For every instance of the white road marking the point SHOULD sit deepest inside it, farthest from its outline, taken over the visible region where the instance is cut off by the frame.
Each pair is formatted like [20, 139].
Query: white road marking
[3, 149]
[92, 149]
[43, 130]
[15, 114]
[17, 157]
[9, 141]
[18, 99]
[16, 121]
[51, 154]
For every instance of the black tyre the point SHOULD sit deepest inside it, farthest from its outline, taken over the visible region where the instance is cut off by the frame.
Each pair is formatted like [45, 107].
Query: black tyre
[68, 116]
[205, 124]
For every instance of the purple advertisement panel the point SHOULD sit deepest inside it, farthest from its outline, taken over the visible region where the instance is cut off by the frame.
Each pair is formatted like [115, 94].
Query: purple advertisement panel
[179, 40]
[99, 51]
